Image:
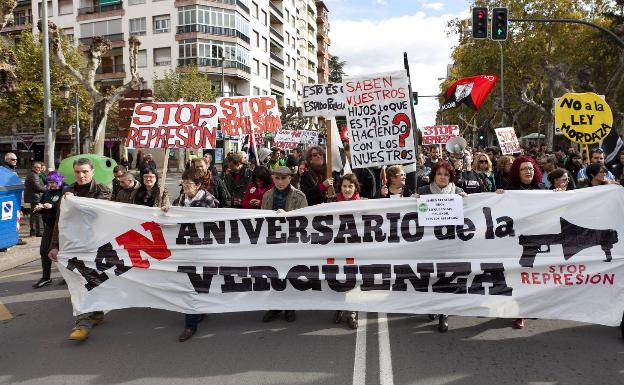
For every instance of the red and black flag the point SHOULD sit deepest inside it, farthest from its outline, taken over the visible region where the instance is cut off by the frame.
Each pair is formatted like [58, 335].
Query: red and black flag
[470, 91]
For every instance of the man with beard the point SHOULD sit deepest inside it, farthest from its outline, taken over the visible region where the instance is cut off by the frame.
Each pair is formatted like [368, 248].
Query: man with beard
[314, 183]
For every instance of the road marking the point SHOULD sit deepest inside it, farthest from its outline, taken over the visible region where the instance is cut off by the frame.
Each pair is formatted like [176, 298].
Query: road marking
[359, 364]
[386, 376]
[20, 274]
[5, 314]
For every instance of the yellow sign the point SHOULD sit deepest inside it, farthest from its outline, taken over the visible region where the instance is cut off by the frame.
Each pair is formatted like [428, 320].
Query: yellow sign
[583, 118]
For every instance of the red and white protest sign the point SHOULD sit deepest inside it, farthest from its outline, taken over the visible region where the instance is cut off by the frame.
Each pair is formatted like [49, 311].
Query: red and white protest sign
[242, 115]
[291, 139]
[173, 125]
[439, 134]
[507, 140]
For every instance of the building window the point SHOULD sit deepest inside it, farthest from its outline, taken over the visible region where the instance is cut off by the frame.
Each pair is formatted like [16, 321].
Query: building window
[216, 21]
[287, 60]
[135, 2]
[50, 13]
[204, 52]
[142, 58]
[69, 34]
[101, 28]
[162, 56]
[256, 37]
[254, 9]
[264, 18]
[288, 82]
[265, 92]
[138, 26]
[294, 85]
[256, 91]
[65, 7]
[265, 44]
[256, 67]
[265, 71]
[161, 24]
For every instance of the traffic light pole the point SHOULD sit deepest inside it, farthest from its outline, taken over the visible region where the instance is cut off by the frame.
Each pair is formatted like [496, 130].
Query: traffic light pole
[502, 82]
[615, 37]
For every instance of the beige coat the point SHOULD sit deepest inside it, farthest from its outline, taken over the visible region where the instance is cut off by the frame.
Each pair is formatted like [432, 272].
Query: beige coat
[295, 200]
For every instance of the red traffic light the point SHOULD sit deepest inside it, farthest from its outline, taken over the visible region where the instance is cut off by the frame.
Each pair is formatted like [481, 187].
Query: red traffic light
[481, 14]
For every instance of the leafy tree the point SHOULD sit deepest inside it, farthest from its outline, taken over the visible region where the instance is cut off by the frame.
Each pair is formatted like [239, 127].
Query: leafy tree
[22, 109]
[186, 83]
[542, 61]
[336, 69]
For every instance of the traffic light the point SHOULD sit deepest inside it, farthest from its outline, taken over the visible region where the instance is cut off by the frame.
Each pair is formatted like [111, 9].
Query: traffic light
[415, 98]
[479, 23]
[499, 24]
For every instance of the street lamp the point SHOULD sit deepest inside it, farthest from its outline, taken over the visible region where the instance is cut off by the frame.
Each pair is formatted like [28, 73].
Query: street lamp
[64, 88]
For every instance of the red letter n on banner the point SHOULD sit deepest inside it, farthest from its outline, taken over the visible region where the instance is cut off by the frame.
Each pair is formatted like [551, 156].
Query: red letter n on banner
[134, 243]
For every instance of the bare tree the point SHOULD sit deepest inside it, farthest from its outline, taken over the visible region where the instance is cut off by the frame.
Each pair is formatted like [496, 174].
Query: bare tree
[102, 103]
[8, 80]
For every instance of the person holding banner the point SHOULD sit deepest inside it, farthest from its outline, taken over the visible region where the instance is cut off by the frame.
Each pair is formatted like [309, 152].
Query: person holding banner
[560, 180]
[313, 182]
[282, 198]
[596, 175]
[149, 192]
[395, 186]
[86, 187]
[443, 182]
[193, 195]
[261, 182]
[212, 183]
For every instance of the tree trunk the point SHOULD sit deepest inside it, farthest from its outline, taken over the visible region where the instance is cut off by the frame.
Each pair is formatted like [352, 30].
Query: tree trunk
[99, 117]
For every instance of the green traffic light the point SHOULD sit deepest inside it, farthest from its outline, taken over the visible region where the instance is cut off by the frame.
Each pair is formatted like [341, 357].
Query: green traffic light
[500, 31]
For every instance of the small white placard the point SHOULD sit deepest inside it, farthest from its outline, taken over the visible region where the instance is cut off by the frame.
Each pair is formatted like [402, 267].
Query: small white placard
[7, 210]
[440, 210]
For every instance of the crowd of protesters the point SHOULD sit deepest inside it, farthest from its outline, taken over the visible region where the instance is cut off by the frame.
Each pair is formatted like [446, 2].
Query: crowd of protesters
[283, 181]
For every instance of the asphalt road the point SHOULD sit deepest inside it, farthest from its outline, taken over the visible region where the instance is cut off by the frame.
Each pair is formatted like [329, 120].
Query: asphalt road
[139, 346]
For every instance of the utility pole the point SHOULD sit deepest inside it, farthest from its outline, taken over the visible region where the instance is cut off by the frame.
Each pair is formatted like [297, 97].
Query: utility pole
[48, 157]
[502, 82]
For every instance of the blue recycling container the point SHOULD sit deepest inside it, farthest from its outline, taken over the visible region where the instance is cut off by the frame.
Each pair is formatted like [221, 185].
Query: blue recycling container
[11, 189]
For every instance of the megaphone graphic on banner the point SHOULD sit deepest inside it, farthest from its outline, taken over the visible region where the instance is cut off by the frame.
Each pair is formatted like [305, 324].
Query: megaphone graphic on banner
[573, 239]
[456, 145]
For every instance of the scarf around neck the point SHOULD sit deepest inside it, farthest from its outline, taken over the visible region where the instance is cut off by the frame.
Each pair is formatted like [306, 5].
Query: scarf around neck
[449, 189]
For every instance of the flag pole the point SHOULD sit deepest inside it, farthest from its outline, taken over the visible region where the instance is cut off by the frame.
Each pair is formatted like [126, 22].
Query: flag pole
[329, 160]
[414, 126]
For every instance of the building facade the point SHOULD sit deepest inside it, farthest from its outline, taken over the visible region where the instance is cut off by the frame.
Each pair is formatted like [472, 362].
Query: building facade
[258, 47]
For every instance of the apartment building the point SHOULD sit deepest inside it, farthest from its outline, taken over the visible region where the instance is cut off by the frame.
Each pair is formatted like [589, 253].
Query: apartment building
[252, 44]
[323, 42]
[306, 42]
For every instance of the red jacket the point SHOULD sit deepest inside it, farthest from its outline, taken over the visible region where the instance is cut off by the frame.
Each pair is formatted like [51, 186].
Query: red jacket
[254, 192]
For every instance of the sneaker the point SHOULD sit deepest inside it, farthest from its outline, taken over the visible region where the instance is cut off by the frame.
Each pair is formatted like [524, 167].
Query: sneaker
[353, 320]
[443, 323]
[41, 283]
[518, 323]
[79, 333]
[21, 242]
[338, 316]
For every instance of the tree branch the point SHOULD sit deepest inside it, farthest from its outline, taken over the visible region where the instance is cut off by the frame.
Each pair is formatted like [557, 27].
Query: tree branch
[6, 11]
[526, 96]
[135, 81]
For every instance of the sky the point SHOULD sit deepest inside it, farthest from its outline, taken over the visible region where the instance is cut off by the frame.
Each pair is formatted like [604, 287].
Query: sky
[371, 36]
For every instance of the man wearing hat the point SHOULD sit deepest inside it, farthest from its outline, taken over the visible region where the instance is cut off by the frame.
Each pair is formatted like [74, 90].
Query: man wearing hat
[281, 198]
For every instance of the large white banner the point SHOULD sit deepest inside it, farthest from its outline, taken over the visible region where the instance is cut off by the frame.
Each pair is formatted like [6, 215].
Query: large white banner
[538, 254]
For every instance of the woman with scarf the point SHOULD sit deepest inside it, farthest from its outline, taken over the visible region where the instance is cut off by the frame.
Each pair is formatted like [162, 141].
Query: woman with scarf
[442, 179]
[193, 195]
[149, 192]
[261, 182]
[313, 182]
[48, 207]
[349, 191]
[483, 166]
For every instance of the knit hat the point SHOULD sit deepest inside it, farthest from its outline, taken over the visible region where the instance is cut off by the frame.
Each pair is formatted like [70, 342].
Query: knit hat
[263, 154]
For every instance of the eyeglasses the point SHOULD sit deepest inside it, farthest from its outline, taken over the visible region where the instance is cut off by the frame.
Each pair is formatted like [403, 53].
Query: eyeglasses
[12, 159]
[527, 169]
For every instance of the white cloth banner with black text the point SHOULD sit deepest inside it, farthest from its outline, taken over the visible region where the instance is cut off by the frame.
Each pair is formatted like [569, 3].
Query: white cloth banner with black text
[534, 254]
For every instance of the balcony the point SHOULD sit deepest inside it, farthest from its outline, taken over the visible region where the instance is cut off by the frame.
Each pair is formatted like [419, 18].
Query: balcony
[277, 34]
[242, 6]
[112, 38]
[22, 20]
[109, 69]
[277, 58]
[322, 18]
[207, 62]
[276, 9]
[100, 9]
[211, 30]
[277, 84]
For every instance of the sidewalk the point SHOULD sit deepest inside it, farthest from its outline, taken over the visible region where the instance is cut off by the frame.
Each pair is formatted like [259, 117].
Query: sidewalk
[19, 255]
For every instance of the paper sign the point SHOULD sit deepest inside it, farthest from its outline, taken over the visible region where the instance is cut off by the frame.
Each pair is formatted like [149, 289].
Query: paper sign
[7, 210]
[246, 114]
[173, 125]
[292, 139]
[440, 210]
[439, 134]
[583, 118]
[507, 140]
[324, 100]
[379, 119]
